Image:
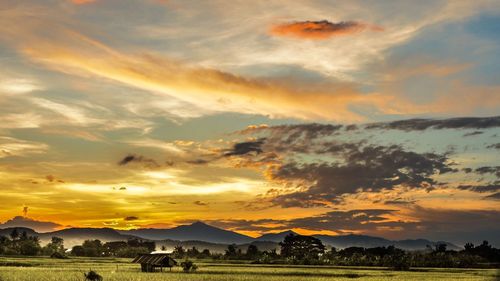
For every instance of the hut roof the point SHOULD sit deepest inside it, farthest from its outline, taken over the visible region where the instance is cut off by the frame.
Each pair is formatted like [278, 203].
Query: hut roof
[154, 259]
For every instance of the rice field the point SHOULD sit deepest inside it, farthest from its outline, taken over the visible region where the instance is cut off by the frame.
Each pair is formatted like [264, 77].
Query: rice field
[46, 269]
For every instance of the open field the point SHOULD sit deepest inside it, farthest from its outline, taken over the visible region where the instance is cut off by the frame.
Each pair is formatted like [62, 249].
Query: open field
[46, 269]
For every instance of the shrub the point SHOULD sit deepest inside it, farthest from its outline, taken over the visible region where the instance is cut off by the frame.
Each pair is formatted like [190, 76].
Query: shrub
[188, 266]
[92, 276]
[58, 255]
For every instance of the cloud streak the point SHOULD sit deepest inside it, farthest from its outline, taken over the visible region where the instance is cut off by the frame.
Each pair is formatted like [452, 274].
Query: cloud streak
[320, 30]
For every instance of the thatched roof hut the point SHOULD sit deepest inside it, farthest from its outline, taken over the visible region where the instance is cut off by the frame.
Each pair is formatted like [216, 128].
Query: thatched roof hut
[151, 262]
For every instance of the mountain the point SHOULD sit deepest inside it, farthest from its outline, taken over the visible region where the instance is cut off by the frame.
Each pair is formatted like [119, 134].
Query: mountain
[197, 231]
[203, 236]
[72, 236]
[351, 240]
[275, 237]
[75, 236]
[418, 244]
[365, 241]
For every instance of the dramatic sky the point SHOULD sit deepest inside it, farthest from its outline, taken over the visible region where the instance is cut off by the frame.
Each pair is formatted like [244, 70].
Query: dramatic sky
[377, 117]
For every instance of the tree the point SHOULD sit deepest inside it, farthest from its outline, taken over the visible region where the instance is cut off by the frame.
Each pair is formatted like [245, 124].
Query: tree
[468, 247]
[205, 253]
[301, 248]
[252, 251]
[78, 251]
[440, 248]
[178, 252]
[29, 247]
[112, 248]
[193, 252]
[14, 234]
[56, 245]
[188, 266]
[93, 248]
[231, 251]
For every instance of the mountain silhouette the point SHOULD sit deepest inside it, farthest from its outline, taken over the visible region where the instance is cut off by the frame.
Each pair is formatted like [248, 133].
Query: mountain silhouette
[197, 231]
[275, 237]
[204, 236]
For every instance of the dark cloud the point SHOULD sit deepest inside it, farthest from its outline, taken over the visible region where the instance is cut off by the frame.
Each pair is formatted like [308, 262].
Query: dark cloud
[306, 131]
[132, 158]
[399, 202]
[326, 161]
[369, 168]
[51, 178]
[198, 162]
[489, 170]
[495, 146]
[480, 188]
[130, 218]
[459, 226]
[296, 138]
[351, 127]
[317, 30]
[350, 220]
[244, 148]
[39, 226]
[200, 203]
[334, 221]
[453, 123]
[473, 133]
[467, 170]
[494, 196]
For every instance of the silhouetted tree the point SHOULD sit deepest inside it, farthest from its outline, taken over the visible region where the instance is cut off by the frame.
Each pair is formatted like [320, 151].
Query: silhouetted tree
[440, 248]
[252, 252]
[14, 234]
[56, 245]
[231, 251]
[178, 252]
[468, 247]
[301, 248]
[193, 252]
[205, 253]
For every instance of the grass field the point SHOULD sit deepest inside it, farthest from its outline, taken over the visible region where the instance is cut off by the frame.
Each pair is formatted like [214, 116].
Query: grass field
[46, 269]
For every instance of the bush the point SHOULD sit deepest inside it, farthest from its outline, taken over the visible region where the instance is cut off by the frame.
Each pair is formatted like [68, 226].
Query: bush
[188, 266]
[58, 255]
[92, 276]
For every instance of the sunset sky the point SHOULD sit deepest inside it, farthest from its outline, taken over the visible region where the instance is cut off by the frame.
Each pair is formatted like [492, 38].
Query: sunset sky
[335, 117]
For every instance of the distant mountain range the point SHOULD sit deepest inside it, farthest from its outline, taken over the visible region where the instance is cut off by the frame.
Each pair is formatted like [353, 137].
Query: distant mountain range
[204, 236]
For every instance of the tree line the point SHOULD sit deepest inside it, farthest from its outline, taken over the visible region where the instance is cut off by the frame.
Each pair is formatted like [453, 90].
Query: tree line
[294, 249]
[22, 244]
[308, 250]
[26, 245]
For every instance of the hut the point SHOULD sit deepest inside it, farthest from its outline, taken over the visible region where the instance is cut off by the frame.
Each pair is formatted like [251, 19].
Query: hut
[153, 262]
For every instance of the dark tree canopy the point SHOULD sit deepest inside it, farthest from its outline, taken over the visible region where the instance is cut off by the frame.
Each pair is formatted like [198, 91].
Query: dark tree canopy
[301, 247]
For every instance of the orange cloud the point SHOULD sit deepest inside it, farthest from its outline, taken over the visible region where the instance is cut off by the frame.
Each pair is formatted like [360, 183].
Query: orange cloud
[82, 2]
[318, 30]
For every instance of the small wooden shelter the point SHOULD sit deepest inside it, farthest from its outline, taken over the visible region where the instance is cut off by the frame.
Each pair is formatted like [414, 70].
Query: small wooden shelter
[153, 262]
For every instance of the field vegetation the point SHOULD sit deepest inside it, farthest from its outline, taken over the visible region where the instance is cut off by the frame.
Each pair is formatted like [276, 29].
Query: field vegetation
[121, 269]
[300, 258]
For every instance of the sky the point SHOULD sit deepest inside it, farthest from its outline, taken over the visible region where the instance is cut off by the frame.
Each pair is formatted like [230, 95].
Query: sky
[335, 117]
